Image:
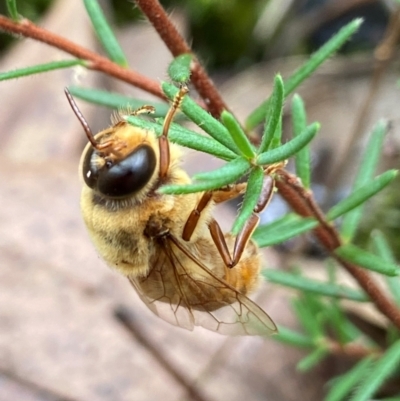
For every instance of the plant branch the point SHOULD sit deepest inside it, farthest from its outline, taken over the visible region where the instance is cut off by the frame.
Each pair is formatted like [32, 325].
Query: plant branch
[303, 203]
[96, 62]
[352, 349]
[177, 46]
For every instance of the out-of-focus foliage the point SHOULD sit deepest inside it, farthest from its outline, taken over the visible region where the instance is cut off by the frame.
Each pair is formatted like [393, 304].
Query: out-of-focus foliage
[383, 213]
[234, 34]
[31, 9]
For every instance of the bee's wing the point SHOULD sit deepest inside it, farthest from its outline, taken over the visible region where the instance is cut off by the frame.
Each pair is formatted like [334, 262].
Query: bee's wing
[176, 295]
[160, 291]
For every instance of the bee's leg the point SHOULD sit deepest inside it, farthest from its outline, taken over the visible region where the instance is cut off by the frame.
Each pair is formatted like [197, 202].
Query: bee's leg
[217, 196]
[247, 230]
[163, 142]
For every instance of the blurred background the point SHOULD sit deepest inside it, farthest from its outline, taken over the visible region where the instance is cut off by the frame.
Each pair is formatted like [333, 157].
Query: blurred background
[60, 335]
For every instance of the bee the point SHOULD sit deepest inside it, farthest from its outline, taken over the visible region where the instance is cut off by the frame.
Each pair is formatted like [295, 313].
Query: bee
[169, 246]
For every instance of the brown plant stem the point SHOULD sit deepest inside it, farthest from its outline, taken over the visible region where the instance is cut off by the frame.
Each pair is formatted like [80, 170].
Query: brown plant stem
[98, 63]
[302, 203]
[352, 350]
[177, 46]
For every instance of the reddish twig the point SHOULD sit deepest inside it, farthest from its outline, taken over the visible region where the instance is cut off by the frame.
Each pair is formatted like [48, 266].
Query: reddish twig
[27, 29]
[177, 46]
[352, 349]
[301, 201]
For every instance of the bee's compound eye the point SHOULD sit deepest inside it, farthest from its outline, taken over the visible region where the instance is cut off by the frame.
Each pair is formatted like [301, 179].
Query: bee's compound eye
[124, 177]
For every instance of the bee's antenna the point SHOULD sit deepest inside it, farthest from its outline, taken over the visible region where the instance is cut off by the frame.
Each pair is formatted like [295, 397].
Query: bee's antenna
[163, 139]
[81, 119]
[183, 90]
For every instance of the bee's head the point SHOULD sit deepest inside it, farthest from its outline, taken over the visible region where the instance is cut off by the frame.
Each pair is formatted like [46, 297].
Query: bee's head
[118, 162]
[115, 175]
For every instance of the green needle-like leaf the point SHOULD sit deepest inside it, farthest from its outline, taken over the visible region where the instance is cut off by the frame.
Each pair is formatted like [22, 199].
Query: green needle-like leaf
[184, 137]
[282, 230]
[321, 55]
[195, 187]
[308, 318]
[379, 373]
[254, 187]
[236, 167]
[116, 101]
[179, 69]
[326, 51]
[345, 329]
[289, 148]
[343, 385]
[313, 286]
[385, 252]
[226, 175]
[312, 359]
[367, 260]
[237, 134]
[364, 176]
[294, 338]
[202, 118]
[360, 195]
[302, 158]
[36, 69]
[274, 115]
[12, 10]
[105, 33]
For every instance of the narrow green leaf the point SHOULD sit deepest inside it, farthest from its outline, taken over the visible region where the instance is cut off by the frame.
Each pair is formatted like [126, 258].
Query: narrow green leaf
[312, 359]
[254, 187]
[382, 370]
[384, 251]
[104, 33]
[184, 137]
[365, 174]
[360, 195]
[237, 134]
[236, 167]
[321, 55]
[195, 187]
[12, 10]
[116, 101]
[294, 338]
[282, 230]
[289, 148]
[308, 318]
[179, 69]
[343, 385]
[313, 286]
[277, 138]
[302, 158]
[345, 330]
[36, 69]
[202, 118]
[326, 51]
[229, 176]
[367, 260]
[274, 114]
[372, 154]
